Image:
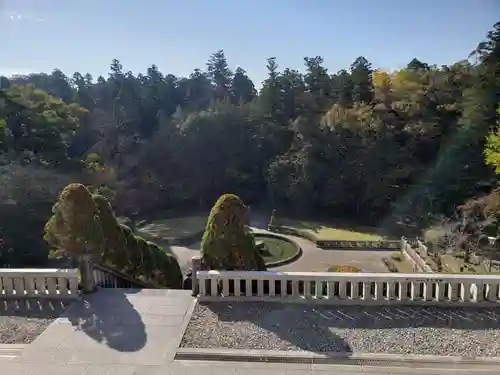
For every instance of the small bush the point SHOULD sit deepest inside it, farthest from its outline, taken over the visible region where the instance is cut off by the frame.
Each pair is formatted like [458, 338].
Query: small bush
[343, 269]
[437, 237]
[389, 263]
[397, 256]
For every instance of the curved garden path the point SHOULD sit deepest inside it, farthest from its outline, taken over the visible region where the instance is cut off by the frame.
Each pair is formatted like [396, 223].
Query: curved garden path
[313, 258]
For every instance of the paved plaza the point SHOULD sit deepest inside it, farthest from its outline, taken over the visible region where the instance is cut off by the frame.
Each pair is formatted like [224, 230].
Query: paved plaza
[137, 332]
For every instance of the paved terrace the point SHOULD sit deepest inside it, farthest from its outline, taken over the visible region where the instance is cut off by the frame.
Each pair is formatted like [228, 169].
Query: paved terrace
[125, 332]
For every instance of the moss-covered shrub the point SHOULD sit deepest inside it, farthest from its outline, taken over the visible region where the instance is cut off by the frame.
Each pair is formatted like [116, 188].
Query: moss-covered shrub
[227, 243]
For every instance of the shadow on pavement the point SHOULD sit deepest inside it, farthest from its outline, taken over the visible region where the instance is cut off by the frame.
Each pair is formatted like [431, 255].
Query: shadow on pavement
[33, 308]
[110, 318]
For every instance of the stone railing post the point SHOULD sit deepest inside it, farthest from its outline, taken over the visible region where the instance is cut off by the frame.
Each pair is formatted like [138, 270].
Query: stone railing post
[87, 273]
[195, 287]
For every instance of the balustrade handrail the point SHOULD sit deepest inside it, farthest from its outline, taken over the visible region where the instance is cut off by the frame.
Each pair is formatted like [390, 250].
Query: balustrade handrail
[349, 288]
[38, 283]
[50, 272]
[119, 277]
[325, 276]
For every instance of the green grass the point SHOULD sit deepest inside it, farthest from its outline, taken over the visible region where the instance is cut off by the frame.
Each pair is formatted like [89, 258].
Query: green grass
[174, 227]
[277, 249]
[325, 232]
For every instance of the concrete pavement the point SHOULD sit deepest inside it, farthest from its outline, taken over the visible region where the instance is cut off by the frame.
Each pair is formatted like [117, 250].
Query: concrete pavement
[137, 332]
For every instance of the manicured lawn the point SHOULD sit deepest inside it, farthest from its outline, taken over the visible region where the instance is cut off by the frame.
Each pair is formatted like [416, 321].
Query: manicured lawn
[323, 231]
[276, 248]
[174, 227]
[328, 233]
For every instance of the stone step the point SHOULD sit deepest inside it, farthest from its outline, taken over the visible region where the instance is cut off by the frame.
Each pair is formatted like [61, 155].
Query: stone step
[10, 351]
[406, 364]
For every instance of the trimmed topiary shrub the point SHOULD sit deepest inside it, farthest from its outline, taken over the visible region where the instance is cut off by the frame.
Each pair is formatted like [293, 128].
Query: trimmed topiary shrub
[227, 243]
[164, 267]
[130, 245]
[74, 228]
[149, 262]
[114, 247]
[83, 223]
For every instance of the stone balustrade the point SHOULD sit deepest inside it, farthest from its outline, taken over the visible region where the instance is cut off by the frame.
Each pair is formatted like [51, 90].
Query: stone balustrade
[348, 288]
[413, 256]
[38, 283]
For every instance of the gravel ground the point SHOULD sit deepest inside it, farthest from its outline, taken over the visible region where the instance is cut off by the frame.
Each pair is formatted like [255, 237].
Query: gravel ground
[21, 322]
[394, 330]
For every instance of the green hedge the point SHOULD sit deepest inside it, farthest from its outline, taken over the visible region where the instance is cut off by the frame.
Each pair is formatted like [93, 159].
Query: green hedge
[337, 244]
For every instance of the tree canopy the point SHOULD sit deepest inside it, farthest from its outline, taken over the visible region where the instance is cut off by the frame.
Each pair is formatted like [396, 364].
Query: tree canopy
[382, 147]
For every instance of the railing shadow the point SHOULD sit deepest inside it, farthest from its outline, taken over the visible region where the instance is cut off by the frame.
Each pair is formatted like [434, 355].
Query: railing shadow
[33, 308]
[397, 317]
[109, 317]
[336, 330]
[287, 323]
[25, 319]
[370, 317]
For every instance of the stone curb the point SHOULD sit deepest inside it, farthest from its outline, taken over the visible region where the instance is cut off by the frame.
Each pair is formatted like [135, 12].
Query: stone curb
[182, 329]
[365, 359]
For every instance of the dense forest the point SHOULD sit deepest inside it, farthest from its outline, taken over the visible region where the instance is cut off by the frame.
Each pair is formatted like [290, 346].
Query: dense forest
[401, 148]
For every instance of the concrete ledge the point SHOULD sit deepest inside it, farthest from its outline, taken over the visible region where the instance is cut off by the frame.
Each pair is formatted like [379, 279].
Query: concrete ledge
[182, 328]
[365, 359]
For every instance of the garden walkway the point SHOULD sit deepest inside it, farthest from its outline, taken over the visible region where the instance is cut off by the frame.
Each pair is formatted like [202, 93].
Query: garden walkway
[315, 259]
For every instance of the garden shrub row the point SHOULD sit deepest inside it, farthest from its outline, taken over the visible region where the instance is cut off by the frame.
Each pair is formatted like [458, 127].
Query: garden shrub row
[83, 223]
[336, 244]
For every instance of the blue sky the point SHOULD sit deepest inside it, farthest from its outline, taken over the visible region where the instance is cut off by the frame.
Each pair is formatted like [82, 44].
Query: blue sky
[179, 35]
